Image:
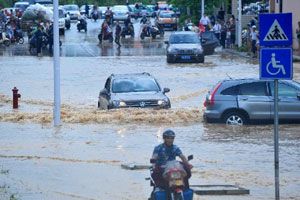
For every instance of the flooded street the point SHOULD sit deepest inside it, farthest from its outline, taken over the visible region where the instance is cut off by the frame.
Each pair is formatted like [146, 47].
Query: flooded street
[82, 158]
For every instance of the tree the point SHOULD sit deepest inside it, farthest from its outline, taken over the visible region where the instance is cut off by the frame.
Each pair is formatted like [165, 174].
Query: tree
[195, 7]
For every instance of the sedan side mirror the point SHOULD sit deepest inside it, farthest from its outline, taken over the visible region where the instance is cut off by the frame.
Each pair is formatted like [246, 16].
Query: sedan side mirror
[166, 90]
[104, 92]
[166, 42]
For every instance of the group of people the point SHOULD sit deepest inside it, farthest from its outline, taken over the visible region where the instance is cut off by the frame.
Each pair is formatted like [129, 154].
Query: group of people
[10, 23]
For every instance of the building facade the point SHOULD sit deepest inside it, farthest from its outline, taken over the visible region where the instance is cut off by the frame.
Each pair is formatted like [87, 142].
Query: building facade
[288, 6]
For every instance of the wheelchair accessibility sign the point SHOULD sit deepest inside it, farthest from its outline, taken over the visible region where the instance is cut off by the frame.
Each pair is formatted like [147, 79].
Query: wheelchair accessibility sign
[276, 63]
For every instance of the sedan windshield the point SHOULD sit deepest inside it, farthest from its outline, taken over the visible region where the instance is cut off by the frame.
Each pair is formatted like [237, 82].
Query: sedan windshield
[167, 15]
[134, 85]
[182, 38]
[74, 7]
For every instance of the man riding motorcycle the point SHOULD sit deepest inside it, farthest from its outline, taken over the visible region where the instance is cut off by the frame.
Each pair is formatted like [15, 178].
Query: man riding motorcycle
[108, 15]
[165, 152]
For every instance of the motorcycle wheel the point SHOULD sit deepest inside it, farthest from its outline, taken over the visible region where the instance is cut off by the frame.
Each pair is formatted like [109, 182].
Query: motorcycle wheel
[21, 40]
[178, 196]
[142, 36]
[7, 43]
[32, 51]
[153, 36]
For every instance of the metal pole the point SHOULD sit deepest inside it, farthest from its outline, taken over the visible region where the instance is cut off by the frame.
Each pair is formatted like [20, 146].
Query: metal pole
[56, 113]
[240, 24]
[280, 6]
[276, 164]
[202, 10]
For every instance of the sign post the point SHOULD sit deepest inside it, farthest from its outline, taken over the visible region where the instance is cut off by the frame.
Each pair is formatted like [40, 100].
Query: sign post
[276, 63]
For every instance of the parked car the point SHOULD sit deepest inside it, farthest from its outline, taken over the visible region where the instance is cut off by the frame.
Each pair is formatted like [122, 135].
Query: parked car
[102, 10]
[167, 19]
[209, 42]
[133, 90]
[21, 5]
[241, 101]
[120, 13]
[73, 11]
[184, 46]
[82, 10]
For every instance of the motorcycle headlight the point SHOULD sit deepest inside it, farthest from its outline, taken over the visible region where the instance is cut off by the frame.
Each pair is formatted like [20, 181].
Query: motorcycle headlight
[176, 175]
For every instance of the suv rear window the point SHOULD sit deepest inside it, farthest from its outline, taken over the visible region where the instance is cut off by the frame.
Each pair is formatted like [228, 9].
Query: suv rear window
[234, 90]
[253, 89]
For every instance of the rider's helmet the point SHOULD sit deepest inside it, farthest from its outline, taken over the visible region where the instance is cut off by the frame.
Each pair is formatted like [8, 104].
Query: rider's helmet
[168, 133]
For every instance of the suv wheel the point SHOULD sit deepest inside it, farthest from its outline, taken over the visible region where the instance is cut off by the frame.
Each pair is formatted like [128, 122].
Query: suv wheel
[234, 118]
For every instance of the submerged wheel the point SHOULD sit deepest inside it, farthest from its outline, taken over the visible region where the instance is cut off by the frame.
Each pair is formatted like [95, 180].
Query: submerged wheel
[235, 118]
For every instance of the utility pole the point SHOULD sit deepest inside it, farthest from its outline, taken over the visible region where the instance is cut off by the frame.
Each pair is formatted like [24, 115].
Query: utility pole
[202, 10]
[56, 109]
[240, 24]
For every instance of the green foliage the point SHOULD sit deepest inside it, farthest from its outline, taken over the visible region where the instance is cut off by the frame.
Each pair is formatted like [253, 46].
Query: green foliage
[243, 48]
[195, 8]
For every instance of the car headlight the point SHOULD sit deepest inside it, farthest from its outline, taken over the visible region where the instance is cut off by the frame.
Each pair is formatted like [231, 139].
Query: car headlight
[160, 102]
[172, 50]
[122, 103]
[198, 51]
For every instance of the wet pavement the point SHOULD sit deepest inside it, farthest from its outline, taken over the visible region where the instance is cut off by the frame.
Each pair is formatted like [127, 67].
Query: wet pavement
[82, 158]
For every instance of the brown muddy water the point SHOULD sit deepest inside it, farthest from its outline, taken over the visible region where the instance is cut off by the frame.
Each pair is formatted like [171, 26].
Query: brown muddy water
[82, 158]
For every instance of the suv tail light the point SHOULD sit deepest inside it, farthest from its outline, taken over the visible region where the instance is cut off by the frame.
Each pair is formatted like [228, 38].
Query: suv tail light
[204, 104]
[212, 96]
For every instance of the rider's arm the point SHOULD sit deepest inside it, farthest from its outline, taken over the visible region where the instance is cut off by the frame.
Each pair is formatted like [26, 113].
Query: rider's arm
[185, 161]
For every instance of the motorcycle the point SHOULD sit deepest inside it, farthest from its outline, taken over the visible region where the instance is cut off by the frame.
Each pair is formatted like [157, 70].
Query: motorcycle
[33, 43]
[154, 32]
[136, 14]
[4, 38]
[82, 25]
[109, 19]
[176, 177]
[128, 30]
[18, 37]
[95, 15]
[108, 36]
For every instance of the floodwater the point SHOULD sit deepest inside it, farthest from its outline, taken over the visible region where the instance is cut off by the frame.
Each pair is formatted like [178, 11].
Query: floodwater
[82, 158]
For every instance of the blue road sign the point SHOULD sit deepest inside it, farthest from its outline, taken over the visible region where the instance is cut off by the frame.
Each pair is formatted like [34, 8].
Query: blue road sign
[276, 63]
[275, 29]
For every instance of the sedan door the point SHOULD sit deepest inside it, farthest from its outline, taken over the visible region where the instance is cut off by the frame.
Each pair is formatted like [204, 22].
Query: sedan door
[254, 99]
[288, 102]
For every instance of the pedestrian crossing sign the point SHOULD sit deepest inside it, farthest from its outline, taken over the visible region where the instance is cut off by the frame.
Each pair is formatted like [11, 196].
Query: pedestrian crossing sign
[275, 29]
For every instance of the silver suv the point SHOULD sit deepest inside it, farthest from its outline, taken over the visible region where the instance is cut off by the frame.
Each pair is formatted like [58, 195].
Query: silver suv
[242, 101]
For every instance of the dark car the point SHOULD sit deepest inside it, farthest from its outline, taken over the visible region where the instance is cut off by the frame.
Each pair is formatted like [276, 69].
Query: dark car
[184, 46]
[209, 42]
[133, 90]
[240, 101]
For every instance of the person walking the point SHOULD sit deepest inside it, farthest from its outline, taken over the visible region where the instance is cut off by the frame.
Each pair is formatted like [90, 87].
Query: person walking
[248, 39]
[39, 37]
[217, 29]
[298, 37]
[223, 34]
[118, 34]
[254, 39]
[205, 21]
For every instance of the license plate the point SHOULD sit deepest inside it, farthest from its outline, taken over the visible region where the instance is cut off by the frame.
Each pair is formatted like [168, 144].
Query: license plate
[179, 182]
[185, 57]
[168, 25]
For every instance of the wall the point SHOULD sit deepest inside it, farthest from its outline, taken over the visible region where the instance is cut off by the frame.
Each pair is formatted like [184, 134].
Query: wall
[292, 6]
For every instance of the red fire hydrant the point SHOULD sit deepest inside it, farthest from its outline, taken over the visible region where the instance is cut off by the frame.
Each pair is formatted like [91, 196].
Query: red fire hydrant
[16, 96]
